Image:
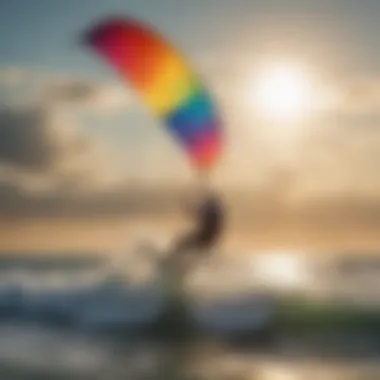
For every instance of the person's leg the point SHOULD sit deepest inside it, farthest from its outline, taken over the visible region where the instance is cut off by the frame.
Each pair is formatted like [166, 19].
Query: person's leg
[180, 249]
[186, 243]
[191, 249]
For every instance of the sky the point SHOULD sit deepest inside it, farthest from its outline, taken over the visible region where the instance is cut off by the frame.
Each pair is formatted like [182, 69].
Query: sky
[76, 141]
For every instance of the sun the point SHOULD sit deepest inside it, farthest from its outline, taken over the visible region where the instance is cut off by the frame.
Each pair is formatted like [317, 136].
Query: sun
[281, 93]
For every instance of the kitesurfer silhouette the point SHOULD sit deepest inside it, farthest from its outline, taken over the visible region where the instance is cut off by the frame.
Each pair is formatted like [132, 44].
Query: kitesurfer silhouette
[209, 223]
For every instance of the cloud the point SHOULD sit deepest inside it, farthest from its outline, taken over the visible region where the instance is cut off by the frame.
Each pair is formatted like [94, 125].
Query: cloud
[28, 138]
[362, 94]
[100, 98]
[43, 151]
[58, 89]
[43, 144]
[39, 138]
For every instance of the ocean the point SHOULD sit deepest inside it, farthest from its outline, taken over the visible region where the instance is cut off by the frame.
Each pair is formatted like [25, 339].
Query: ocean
[85, 316]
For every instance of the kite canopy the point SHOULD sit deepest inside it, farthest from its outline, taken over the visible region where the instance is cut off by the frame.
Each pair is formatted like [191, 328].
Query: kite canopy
[166, 83]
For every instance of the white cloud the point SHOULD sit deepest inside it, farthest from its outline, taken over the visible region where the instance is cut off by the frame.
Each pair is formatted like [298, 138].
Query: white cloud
[58, 89]
[99, 98]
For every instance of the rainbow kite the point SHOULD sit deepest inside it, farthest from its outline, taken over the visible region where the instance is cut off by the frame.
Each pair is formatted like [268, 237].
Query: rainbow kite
[165, 82]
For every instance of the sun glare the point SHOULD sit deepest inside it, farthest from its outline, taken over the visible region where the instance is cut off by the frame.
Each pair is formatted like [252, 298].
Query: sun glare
[281, 270]
[282, 93]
